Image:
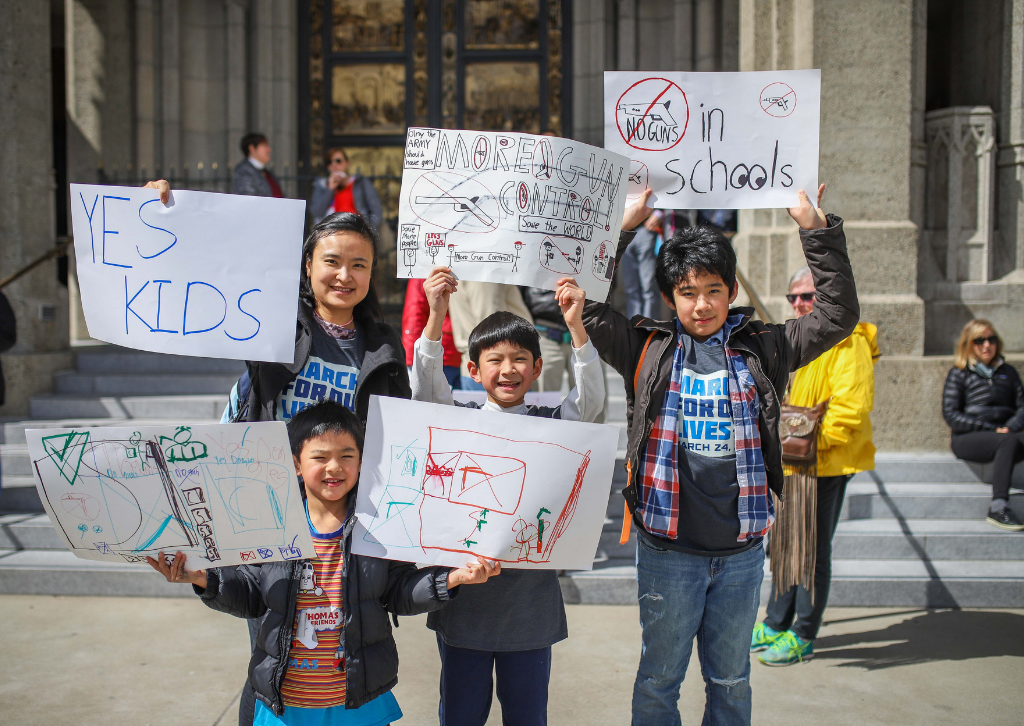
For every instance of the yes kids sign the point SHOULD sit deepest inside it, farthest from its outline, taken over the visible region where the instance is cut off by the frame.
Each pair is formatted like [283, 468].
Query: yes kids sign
[716, 140]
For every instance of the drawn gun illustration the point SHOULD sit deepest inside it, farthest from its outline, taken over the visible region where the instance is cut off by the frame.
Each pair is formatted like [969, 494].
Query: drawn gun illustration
[655, 112]
[635, 178]
[461, 204]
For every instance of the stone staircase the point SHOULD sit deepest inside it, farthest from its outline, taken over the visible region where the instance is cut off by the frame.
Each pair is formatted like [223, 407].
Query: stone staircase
[912, 532]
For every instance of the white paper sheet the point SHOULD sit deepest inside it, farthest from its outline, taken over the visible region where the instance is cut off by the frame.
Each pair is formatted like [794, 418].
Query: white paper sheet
[214, 275]
[223, 494]
[444, 484]
[716, 140]
[512, 208]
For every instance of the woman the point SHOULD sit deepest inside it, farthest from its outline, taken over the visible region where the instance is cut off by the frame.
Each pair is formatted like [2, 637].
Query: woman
[340, 191]
[343, 349]
[844, 376]
[983, 403]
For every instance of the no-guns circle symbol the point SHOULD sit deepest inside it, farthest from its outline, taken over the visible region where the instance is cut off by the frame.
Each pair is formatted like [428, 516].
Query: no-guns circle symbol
[454, 202]
[652, 114]
[778, 100]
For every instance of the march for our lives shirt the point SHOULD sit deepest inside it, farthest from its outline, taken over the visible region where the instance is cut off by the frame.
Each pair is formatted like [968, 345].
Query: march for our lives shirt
[708, 493]
[331, 372]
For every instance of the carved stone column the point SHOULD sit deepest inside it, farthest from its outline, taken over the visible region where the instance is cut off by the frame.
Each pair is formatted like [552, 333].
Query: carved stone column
[27, 205]
[870, 81]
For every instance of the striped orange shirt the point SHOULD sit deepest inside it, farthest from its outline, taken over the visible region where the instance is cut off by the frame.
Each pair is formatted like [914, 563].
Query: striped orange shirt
[315, 676]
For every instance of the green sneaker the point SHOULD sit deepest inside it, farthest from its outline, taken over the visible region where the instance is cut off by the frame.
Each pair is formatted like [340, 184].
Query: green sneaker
[763, 637]
[788, 649]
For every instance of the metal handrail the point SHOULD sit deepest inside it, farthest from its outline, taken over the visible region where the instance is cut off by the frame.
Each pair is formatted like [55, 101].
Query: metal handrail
[62, 245]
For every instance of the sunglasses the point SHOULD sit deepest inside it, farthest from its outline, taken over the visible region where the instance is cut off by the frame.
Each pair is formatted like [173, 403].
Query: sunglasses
[805, 296]
[993, 339]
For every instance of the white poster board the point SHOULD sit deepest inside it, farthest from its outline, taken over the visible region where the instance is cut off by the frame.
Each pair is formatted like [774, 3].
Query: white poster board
[444, 484]
[214, 275]
[716, 140]
[508, 207]
[223, 494]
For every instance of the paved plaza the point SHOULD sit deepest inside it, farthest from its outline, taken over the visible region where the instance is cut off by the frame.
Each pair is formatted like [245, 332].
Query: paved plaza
[137, 661]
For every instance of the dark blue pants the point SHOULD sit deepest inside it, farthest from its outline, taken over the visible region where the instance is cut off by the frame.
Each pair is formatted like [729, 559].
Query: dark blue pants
[467, 684]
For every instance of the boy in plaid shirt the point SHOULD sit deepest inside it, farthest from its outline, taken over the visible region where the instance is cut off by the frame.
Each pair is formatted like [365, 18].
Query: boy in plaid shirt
[703, 394]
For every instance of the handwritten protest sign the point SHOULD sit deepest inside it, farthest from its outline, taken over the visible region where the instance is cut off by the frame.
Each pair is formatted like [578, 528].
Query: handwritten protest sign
[443, 484]
[222, 494]
[509, 207]
[213, 275]
[716, 140]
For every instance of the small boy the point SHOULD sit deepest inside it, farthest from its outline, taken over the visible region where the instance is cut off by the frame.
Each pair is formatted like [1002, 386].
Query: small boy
[703, 396]
[317, 658]
[510, 624]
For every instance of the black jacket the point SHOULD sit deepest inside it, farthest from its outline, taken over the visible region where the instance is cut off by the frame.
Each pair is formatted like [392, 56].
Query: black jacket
[8, 336]
[370, 590]
[971, 402]
[383, 371]
[543, 307]
[771, 352]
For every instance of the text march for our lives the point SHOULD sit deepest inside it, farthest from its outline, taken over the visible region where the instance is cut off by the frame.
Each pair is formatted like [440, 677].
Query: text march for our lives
[716, 140]
[212, 275]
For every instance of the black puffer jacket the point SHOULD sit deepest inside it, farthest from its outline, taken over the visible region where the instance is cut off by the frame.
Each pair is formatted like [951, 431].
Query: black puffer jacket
[971, 402]
[371, 588]
[383, 371]
[641, 349]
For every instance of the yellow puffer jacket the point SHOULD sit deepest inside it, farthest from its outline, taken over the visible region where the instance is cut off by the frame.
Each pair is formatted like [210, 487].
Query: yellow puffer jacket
[845, 377]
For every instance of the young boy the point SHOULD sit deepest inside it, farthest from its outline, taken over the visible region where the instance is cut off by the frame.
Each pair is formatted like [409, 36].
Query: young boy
[318, 659]
[703, 396]
[510, 624]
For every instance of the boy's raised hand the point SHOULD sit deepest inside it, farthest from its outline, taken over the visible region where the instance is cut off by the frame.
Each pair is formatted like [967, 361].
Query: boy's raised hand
[161, 186]
[571, 299]
[806, 215]
[637, 212]
[175, 571]
[474, 573]
[438, 287]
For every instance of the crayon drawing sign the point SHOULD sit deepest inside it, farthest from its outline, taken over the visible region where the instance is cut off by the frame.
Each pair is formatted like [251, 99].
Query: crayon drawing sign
[716, 140]
[442, 485]
[510, 207]
[223, 494]
[213, 275]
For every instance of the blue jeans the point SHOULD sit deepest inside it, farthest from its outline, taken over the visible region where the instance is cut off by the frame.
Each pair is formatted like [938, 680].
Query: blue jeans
[712, 598]
[466, 685]
[468, 384]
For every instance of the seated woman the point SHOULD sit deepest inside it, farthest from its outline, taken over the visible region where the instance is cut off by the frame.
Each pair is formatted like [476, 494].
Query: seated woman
[983, 403]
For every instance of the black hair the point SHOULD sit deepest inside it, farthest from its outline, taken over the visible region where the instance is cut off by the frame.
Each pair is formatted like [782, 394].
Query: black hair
[336, 224]
[695, 250]
[322, 418]
[252, 139]
[503, 327]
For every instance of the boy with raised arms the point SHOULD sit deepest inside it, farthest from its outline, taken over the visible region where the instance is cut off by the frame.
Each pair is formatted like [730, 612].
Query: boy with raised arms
[703, 396]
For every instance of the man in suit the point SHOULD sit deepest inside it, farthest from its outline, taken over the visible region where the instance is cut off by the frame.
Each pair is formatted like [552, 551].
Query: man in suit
[251, 176]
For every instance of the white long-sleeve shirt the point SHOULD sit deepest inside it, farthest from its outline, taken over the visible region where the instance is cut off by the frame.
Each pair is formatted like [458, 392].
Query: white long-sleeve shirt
[584, 402]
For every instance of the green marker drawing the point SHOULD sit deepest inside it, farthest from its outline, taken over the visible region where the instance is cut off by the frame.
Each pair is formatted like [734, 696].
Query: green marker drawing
[540, 527]
[66, 450]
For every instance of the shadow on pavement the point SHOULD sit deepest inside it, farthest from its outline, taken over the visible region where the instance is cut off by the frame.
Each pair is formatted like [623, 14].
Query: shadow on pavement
[934, 635]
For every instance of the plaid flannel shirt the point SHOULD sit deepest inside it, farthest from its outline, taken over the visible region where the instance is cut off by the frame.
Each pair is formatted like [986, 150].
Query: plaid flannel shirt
[659, 484]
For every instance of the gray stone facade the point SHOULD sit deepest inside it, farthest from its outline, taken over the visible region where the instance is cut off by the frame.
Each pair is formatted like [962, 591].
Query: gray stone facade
[922, 145]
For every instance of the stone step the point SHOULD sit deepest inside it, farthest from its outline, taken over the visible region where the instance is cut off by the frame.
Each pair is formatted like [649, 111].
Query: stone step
[873, 583]
[14, 460]
[52, 572]
[934, 539]
[910, 500]
[19, 494]
[146, 384]
[185, 408]
[114, 359]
